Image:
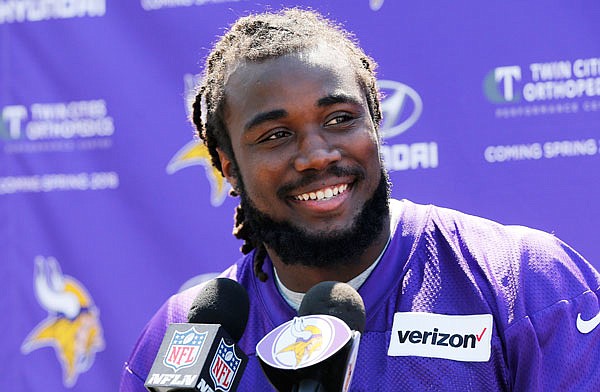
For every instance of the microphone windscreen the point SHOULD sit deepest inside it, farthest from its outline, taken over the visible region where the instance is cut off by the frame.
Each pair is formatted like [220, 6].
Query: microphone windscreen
[222, 301]
[335, 299]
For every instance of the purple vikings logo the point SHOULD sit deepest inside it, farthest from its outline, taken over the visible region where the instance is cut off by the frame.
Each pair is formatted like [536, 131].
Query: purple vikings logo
[303, 341]
[184, 349]
[308, 342]
[224, 367]
[72, 326]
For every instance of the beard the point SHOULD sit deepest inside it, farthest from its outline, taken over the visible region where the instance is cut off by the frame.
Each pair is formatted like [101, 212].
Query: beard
[296, 246]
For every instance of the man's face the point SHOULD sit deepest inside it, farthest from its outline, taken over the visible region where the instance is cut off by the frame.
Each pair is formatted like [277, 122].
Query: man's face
[304, 142]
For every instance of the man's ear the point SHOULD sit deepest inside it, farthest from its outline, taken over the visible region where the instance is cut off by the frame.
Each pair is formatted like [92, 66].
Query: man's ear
[229, 169]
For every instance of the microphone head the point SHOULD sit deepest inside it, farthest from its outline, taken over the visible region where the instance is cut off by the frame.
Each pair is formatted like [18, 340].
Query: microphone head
[222, 301]
[335, 299]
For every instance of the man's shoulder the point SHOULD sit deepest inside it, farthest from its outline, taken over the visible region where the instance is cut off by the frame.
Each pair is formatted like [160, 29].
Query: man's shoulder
[530, 266]
[455, 224]
[475, 232]
[465, 225]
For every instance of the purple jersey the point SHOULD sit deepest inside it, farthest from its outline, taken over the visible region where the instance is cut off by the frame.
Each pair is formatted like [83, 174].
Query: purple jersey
[457, 303]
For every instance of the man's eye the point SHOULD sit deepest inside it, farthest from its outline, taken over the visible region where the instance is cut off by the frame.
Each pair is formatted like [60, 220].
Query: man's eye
[274, 136]
[339, 119]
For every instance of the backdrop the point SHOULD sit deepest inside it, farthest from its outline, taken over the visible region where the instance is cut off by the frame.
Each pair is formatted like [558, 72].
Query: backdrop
[108, 205]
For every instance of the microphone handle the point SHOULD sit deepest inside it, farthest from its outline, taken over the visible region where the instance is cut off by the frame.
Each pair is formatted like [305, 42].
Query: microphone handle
[309, 386]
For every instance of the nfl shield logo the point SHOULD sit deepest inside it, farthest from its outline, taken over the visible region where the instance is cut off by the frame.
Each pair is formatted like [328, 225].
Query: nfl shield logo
[184, 349]
[224, 366]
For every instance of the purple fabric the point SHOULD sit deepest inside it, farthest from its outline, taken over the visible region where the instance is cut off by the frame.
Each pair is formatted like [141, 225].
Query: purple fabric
[445, 262]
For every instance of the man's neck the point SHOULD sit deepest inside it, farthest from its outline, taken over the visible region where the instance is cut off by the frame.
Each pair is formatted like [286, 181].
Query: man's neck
[301, 278]
[294, 299]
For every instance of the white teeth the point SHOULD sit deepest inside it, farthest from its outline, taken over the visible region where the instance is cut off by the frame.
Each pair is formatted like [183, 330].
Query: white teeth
[321, 194]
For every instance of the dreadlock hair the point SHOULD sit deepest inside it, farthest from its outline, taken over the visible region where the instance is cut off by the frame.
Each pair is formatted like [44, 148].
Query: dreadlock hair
[256, 38]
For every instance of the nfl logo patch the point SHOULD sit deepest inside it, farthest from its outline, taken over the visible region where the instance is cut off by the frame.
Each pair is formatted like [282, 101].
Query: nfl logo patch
[184, 349]
[224, 366]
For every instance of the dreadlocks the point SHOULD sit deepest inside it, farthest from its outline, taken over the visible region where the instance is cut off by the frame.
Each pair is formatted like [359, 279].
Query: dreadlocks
[256, 38]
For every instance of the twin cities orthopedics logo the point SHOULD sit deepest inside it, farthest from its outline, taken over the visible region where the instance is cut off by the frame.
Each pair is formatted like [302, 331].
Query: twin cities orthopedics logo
[18, 11]
[56, 126]
[556, 87]
[72, 326]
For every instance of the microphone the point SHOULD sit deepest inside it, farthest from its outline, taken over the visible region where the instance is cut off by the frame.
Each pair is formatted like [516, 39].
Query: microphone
[201, 355]
[317, 350]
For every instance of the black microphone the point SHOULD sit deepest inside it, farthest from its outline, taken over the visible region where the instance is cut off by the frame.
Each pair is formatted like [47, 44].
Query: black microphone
[317, 350]
[201, 355]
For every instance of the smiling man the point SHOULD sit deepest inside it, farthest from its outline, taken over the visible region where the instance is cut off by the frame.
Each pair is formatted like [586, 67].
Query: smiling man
[289, 111]
[305, 160]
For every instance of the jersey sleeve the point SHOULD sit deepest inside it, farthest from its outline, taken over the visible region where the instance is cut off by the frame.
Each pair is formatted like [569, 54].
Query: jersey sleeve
[140, 361]
[130, 381]
[556, 347]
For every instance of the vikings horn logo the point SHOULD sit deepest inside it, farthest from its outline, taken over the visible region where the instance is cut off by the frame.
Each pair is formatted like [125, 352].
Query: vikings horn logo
[72, 327]
[196, 153]
[308, 339]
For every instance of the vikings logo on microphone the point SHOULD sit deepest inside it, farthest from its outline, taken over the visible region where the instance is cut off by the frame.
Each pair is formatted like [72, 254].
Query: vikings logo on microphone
[308, 339]
[303, 341]
[72, 326]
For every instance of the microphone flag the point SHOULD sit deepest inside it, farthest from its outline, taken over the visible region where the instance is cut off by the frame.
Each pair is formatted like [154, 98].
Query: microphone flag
[196, 357]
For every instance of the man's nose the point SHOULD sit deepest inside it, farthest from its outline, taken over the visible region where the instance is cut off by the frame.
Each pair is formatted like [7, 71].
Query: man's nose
[315, 152]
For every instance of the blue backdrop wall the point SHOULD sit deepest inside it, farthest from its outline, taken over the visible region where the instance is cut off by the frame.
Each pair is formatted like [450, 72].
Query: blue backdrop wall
[108, 205]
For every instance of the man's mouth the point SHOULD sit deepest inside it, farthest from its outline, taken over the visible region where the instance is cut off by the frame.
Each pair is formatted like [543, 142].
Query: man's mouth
[323, 193]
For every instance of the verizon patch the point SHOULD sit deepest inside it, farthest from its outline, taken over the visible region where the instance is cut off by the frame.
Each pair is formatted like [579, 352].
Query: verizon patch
[464, 338]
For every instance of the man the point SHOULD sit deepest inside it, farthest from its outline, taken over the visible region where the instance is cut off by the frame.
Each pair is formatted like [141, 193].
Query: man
[289, 111]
